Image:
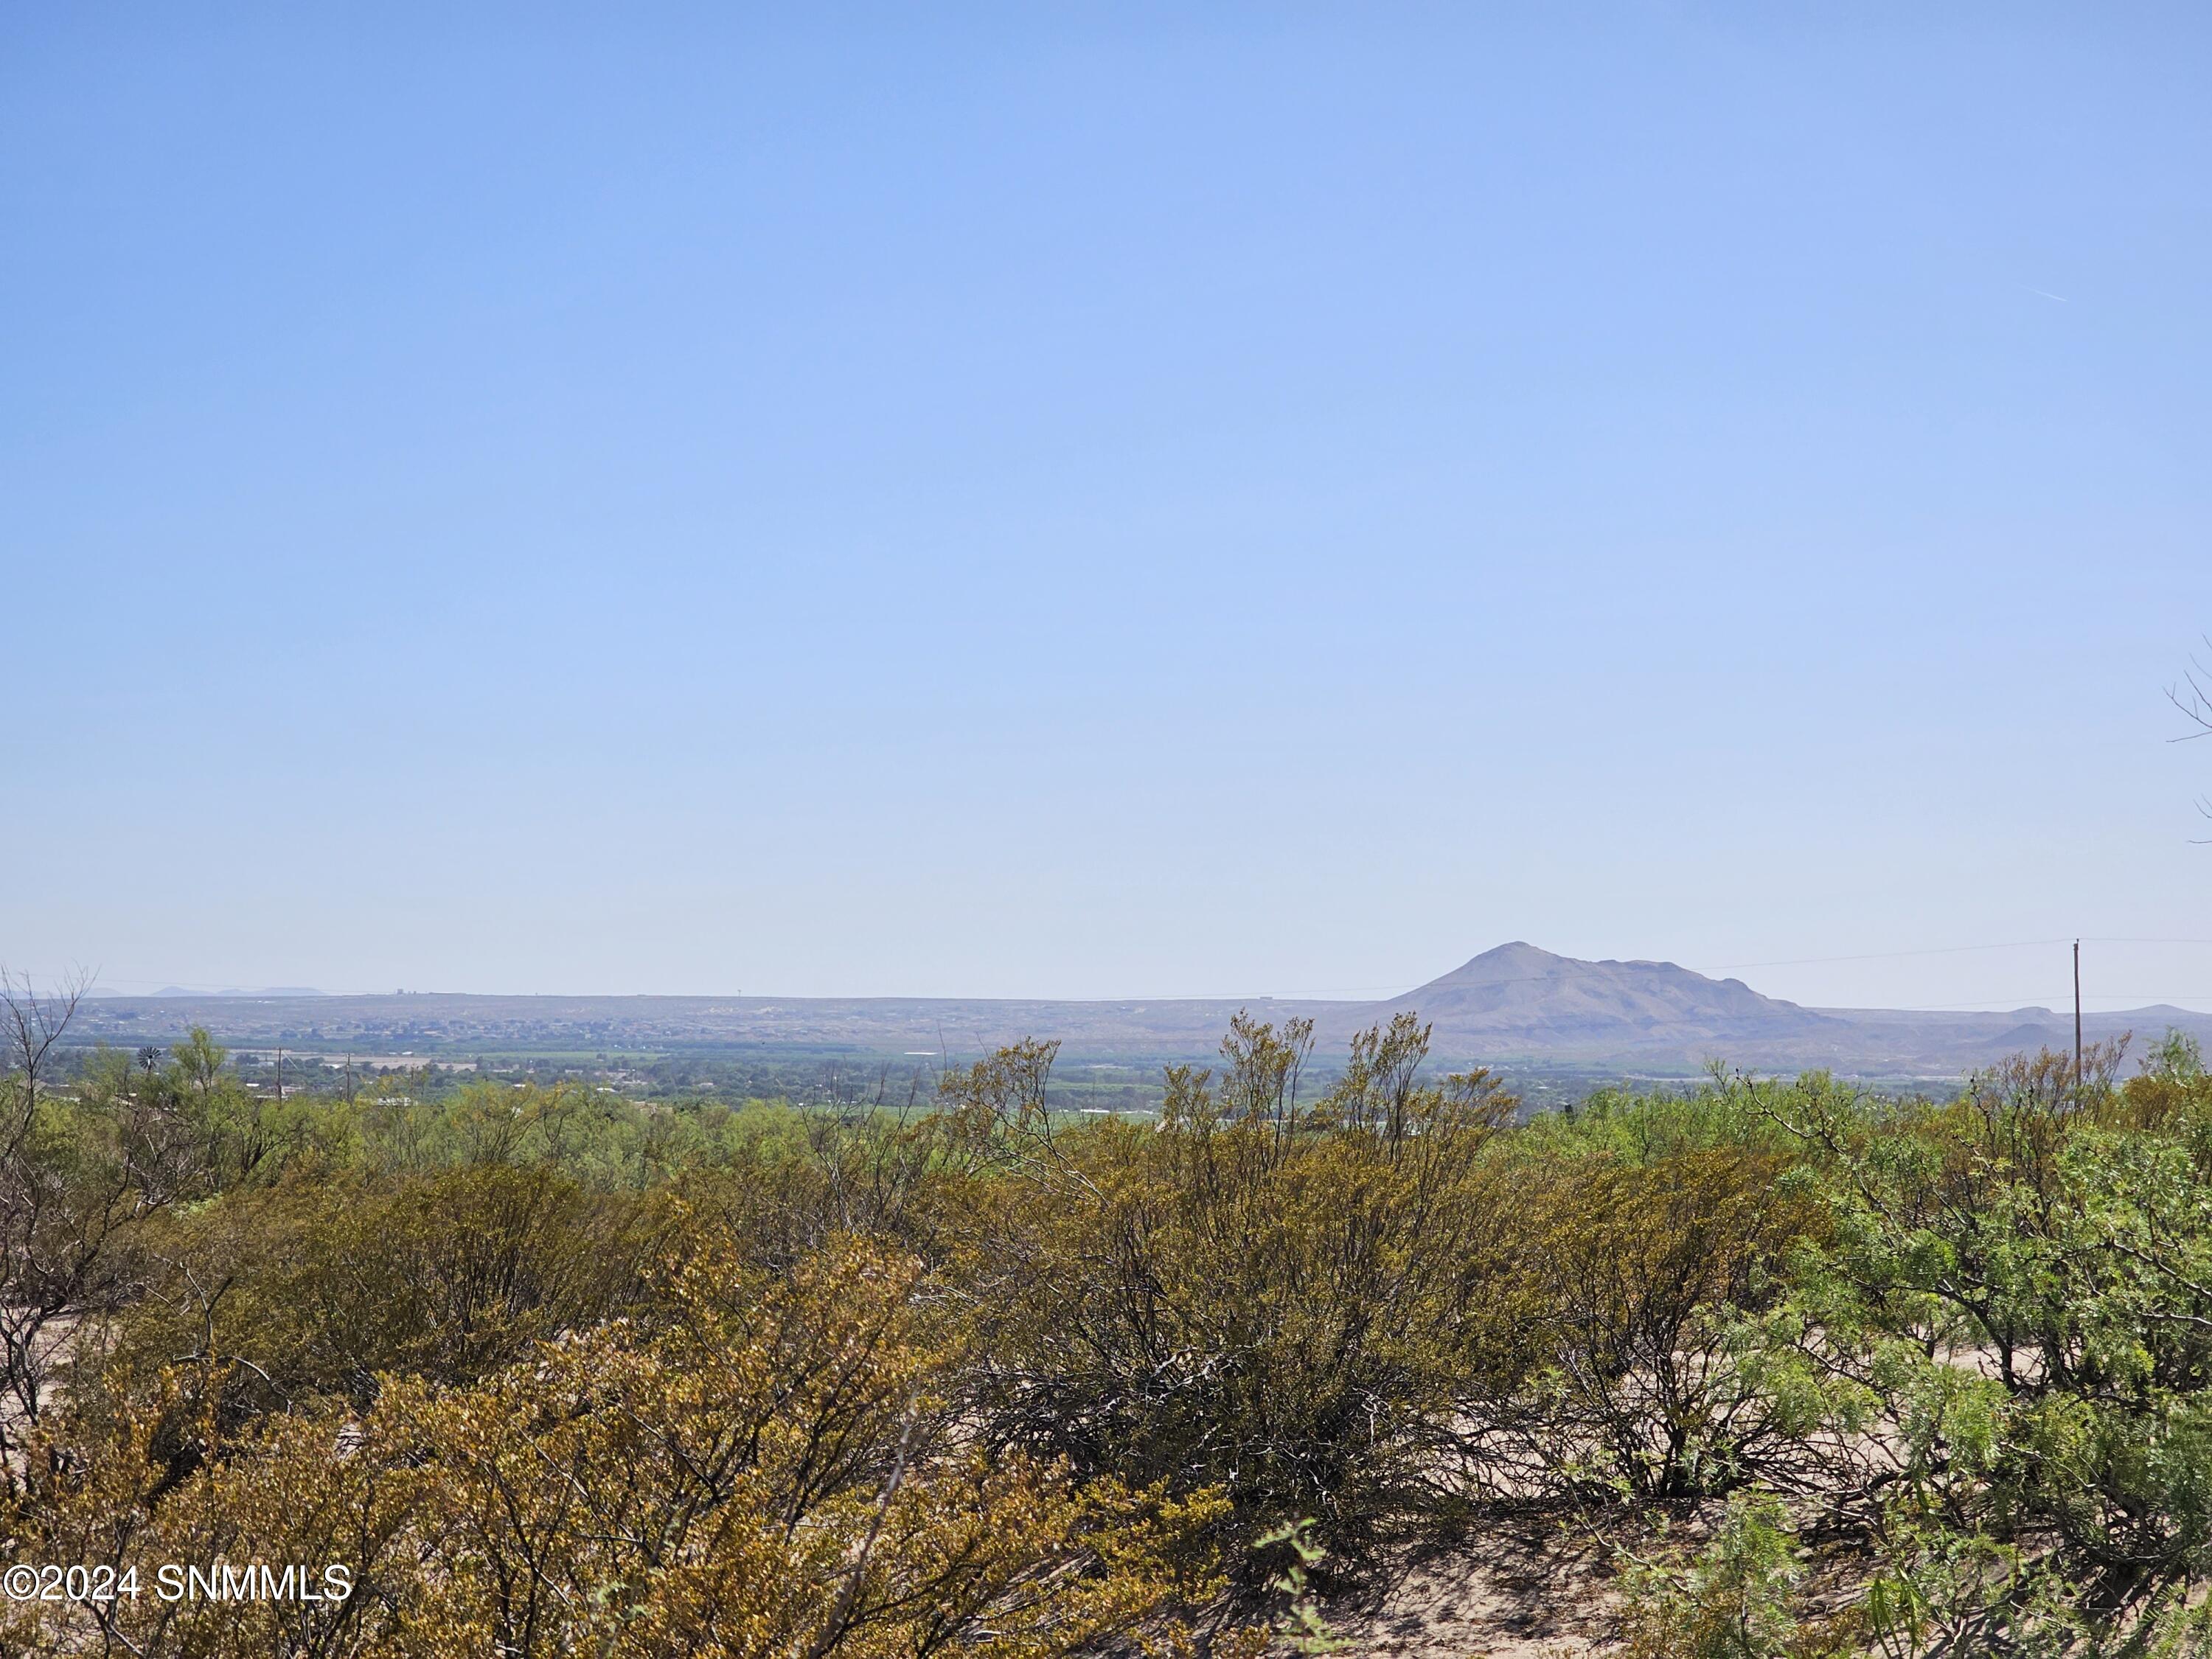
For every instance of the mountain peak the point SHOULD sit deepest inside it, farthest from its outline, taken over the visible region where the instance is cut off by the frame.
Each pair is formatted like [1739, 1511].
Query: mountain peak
[1514, 960]
[1520, 992]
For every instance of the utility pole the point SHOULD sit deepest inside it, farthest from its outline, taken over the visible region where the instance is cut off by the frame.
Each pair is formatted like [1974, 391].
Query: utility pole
[280, 1073]
[2077, 1019]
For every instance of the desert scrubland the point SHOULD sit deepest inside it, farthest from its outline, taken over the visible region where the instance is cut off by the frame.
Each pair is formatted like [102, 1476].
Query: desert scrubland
[1772, 1367]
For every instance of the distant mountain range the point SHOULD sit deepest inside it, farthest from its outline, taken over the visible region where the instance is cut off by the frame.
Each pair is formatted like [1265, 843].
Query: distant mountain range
[1516, 1006]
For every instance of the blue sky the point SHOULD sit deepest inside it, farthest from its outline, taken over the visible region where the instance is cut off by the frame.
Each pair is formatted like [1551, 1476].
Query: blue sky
[1098, 500]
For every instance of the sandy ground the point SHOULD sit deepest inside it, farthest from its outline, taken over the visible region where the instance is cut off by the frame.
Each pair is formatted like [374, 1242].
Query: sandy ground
[1496, 1600]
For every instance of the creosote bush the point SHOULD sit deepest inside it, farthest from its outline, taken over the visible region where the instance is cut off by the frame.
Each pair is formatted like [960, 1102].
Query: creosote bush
[1280, 1297]
[764, 1466]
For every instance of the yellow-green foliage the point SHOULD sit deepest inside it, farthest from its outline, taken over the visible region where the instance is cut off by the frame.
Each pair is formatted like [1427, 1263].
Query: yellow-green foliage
[1283, 1297]
[308, 1289]
[1731, 1600]
[769, 1467]
[1639, 1273]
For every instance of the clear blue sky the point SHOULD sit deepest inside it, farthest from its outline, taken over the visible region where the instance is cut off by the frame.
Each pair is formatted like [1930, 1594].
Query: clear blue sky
[1097, 499]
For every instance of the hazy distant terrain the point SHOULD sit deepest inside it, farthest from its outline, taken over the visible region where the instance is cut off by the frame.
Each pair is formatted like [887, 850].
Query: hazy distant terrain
[1515, 1005]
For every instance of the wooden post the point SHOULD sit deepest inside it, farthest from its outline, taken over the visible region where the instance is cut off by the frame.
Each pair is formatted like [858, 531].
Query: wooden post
[2077, 1019]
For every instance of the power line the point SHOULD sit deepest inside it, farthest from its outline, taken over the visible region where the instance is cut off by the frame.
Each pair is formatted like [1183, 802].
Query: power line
[1953, 949]
[1933, 951]
[2047, 1002]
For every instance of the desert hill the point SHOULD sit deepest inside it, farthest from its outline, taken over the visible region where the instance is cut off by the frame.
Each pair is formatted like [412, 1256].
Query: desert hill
[1526, 994]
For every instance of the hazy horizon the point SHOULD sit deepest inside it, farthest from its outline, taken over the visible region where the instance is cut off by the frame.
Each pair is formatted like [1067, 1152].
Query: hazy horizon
[2100, 1001]
[1085, 503]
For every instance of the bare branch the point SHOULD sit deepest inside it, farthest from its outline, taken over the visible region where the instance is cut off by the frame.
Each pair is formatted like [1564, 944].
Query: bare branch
[30, 1025]
[2193, 696]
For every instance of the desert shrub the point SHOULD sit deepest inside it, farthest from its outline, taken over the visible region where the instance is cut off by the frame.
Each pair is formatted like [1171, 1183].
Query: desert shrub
[1728, 1111]
[87, 1180]
[917, 1179]
[590, 1134]
[1281, 1298]
[1642, 1272]
[327, 1286]
[1732, 1600]
[2011, 1318]
[772, 1470]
